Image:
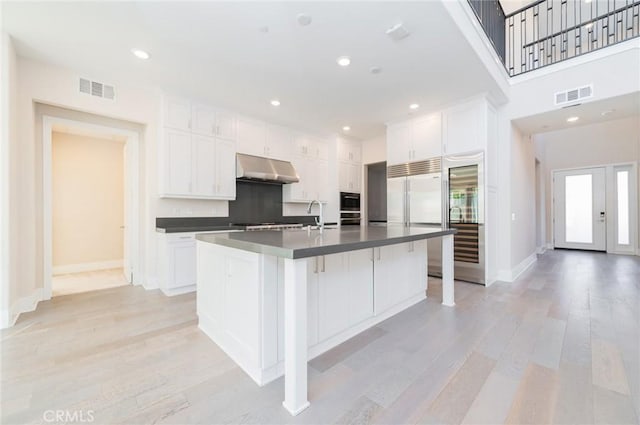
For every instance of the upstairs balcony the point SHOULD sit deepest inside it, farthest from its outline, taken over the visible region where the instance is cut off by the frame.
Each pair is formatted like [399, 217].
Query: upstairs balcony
[550, 31]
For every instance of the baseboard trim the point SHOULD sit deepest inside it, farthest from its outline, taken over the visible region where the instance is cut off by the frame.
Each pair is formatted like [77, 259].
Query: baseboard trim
[87, 267]
[541, 250]
[178, 291]
[515, 272]
[22, 305]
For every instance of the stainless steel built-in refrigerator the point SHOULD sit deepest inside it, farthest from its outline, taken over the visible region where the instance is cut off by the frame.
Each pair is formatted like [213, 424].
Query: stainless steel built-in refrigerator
[445, 192]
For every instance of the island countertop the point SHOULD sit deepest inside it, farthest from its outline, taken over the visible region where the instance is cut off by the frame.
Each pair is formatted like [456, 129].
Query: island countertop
[301, 243]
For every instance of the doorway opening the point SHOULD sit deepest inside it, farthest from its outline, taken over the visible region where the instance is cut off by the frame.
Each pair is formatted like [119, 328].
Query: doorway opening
[376, 186]
[90, 206]
[595, 208]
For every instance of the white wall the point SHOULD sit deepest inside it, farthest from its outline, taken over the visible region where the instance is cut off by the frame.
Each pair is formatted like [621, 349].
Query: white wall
[87, 200]
[8, 170]
[533, 93]
[523, 200]
[610, 142]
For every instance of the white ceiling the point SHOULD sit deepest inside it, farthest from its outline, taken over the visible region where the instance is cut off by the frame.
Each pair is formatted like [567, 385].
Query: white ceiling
[215, 51]
[588, 113]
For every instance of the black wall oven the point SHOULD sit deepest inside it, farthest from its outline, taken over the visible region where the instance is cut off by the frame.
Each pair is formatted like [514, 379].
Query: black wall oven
[349, 201]
[349, 209]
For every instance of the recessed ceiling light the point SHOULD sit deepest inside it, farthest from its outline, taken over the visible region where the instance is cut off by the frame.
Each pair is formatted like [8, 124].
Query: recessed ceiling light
[139, 53]
[414, 106]
[346, 128]
[303, 19]
[607, 112]
[573, 119]
[343, 61]
[275, 102]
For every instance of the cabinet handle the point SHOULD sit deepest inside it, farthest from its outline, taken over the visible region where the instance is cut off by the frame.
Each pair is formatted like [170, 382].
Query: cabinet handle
[189, 124]
[323, 264]
[184, 237]
[315, 270]
[371, 256]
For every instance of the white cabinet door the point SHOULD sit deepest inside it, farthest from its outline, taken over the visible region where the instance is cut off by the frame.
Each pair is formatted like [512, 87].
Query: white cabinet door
[426, 137]
[203, 120]
[390, 276]
[398, 143]
[417, 276]
[225, 167]
[360, 285]
[333, 296]
[178, 162]
[226, 125]
[177, 114]
[344, 181]
[204, 160]
[465, 128]
[251, 137]
[279, 143]
[349, 151]
[355, 177]
[183, 255]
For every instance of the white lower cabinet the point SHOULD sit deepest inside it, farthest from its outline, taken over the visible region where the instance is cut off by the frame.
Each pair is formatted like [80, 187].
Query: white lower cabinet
[241, 299]
[176, 263]
[399, 273]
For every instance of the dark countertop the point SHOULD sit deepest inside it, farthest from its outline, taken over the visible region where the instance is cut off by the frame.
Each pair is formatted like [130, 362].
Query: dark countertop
[303, 244]
[182, 229]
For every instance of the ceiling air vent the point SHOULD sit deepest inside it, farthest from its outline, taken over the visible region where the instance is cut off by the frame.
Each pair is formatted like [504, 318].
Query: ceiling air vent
[573, 95]
[97, 89]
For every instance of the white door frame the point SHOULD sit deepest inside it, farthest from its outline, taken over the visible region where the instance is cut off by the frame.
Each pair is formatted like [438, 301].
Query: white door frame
[633, 201]
[132, 215]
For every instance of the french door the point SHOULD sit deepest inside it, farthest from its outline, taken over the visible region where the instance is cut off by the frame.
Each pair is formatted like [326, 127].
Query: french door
[580, 219]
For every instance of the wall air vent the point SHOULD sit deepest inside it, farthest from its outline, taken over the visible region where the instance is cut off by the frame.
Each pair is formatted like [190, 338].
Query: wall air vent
[97, 89]
[574, 95]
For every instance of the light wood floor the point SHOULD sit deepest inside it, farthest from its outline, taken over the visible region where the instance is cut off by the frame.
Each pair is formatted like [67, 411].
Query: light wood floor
[75, 283]
[560, 345]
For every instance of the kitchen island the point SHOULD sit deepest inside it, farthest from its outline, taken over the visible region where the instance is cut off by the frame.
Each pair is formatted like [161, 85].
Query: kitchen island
[272, 300]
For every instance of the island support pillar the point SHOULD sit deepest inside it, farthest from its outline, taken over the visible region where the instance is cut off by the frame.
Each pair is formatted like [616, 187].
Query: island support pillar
[448, 298]
[295, 335]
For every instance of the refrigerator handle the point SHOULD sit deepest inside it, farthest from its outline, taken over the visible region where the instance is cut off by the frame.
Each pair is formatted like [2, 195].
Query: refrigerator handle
[407, 204]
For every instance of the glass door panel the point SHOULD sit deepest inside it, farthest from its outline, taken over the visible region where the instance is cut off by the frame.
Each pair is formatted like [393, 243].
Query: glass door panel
[578, 209]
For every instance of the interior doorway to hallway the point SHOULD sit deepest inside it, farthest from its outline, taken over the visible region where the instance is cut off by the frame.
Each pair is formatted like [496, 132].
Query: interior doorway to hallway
[90, 206]
[595, 208]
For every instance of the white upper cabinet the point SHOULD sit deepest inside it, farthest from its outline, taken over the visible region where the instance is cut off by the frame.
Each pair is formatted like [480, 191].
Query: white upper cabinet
[278, 143]
[312, 166]
[465, 128]
[251, 136]
[207, 121]
[198, 152]
[203, 120]
[349, 151]
[426, 137]
[177, 114]
[398, 143]
[177, 164]
[414, 140]
[349, 165]
[262, 139]
[225, 169]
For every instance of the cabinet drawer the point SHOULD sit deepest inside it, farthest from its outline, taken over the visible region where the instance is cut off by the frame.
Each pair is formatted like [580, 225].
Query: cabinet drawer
[181, 237]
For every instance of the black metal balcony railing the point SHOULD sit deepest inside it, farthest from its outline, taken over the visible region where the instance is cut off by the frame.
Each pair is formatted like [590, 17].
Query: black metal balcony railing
[550, 31]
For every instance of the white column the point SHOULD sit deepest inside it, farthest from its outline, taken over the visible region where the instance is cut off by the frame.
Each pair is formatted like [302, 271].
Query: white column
[295, 335]
[448, 298]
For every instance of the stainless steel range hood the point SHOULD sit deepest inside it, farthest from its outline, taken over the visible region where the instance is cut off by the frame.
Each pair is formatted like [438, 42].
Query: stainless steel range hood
[257, 168]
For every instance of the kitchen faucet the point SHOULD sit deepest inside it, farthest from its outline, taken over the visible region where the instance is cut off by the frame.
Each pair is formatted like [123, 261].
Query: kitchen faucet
[320, 218]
